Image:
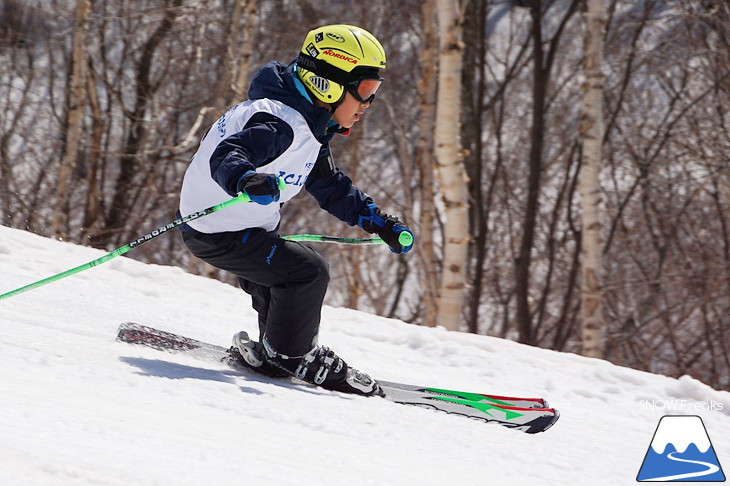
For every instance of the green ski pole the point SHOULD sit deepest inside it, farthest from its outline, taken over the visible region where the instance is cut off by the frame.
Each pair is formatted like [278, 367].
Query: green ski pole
[404, 239]
[242, 197]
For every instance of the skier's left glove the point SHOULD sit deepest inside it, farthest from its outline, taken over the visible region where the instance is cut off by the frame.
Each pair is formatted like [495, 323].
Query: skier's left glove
[396, 234]
[261, 188]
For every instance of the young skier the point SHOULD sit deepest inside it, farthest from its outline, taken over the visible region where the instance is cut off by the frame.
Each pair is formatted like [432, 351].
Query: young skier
[282, 133]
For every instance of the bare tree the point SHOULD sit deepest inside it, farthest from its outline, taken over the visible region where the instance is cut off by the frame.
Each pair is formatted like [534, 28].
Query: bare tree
[543, 59]
[591, 133]
[76, 94]
[133, 148]
[427, 86]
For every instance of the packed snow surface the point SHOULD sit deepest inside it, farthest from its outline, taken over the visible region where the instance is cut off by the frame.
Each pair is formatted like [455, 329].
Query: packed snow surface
[79, 408]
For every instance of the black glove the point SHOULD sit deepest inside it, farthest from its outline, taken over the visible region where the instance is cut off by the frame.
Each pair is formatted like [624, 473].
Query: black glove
[261, 188]
[396, 234]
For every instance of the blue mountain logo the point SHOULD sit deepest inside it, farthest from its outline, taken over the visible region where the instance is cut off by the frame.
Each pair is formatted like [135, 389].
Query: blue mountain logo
[681, 451]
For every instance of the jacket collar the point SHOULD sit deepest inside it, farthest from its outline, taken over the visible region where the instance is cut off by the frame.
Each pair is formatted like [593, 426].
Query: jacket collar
[278, 82]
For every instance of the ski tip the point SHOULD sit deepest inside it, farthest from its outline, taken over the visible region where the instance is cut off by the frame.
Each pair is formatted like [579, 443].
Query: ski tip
[543, 424]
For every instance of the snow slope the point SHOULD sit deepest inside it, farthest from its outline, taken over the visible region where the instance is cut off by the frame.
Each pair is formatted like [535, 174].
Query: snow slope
[78, 408]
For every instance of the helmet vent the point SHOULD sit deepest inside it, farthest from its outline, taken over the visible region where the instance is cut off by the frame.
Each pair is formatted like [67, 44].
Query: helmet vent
[320, 83]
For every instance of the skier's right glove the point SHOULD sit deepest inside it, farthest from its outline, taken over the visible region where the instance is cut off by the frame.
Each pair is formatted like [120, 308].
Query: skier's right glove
[396, 234]
[261, 188]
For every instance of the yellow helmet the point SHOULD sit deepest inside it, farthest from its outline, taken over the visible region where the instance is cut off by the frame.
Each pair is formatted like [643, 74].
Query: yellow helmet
[335, 56]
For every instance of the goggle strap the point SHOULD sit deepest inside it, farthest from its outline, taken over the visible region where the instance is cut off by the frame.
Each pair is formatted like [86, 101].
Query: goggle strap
[327, 71]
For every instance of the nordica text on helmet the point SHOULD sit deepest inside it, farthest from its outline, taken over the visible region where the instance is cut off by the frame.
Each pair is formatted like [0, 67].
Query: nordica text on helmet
[340, 56]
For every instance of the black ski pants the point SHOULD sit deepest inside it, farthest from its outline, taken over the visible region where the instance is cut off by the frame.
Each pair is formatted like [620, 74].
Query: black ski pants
[287, 282]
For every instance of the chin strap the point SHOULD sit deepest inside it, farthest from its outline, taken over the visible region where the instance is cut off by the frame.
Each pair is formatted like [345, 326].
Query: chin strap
[338, 129]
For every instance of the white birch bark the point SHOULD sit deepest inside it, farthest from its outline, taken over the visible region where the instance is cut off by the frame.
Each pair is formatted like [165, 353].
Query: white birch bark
[452, 177]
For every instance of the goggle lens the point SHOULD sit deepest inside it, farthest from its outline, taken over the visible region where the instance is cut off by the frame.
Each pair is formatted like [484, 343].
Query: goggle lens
[365, 89]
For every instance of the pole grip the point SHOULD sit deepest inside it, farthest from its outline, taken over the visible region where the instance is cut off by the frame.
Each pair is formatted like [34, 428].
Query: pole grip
[405, 238]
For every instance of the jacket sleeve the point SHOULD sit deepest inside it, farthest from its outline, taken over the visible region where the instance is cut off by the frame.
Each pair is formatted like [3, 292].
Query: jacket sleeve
[334, 191]
[263, 138]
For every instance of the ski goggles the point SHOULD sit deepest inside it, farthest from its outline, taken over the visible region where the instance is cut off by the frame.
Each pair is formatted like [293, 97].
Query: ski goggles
[363, 90]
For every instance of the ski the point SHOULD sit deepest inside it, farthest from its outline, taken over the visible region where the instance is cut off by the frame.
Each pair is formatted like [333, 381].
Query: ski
[474, 397]
[530, 415]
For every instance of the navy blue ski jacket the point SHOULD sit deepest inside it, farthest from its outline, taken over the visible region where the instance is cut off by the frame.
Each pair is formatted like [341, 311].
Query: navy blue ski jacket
[266, 137]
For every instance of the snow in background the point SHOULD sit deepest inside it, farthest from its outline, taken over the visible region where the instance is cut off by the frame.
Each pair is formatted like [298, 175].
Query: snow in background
[78, 408]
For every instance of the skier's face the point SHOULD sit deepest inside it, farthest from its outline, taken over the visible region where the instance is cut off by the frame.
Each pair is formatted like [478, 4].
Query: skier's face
[350, 111]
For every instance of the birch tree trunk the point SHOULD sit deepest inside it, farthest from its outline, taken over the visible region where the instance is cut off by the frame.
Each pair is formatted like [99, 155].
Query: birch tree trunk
[74, 118]
[452, 177]
[591, 130]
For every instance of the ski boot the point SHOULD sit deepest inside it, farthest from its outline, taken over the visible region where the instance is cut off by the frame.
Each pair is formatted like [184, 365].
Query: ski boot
[322, 367]
[250, 355]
